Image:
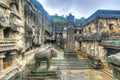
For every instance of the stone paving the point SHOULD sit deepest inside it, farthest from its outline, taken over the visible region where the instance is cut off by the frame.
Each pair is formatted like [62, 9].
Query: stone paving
[81, 74]
[78, 74]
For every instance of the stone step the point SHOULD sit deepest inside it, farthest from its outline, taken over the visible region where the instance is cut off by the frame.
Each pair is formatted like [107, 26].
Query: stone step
[42, 75]
[75, 68]
[39, 78]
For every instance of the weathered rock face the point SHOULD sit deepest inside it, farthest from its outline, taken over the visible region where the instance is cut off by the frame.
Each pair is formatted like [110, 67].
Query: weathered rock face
[22, 27]
[114, 59]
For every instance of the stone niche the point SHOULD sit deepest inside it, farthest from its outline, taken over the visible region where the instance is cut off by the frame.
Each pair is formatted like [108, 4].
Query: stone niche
[4, 21]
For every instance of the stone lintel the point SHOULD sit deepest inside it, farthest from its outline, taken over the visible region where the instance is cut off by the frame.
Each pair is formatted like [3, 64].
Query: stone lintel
[2, 56]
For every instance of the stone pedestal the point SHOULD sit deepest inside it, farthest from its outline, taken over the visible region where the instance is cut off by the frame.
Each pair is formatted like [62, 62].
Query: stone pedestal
[70, 54]
[1, 62]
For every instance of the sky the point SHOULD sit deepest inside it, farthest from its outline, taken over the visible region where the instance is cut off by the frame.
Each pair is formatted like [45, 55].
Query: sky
[79, 8]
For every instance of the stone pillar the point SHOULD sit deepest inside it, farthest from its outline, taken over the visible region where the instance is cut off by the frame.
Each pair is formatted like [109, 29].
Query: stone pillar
[13, 57]
[1, 62]
[1, 32]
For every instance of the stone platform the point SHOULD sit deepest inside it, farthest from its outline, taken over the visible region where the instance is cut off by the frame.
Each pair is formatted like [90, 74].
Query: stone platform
[43, 74]
[44, 71]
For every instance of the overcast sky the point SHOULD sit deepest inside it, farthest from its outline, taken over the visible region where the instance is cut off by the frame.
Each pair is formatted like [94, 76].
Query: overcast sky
[79, 8]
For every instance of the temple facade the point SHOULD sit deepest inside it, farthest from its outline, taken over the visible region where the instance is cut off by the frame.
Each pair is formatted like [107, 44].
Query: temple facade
[100, 35]
[98, 28]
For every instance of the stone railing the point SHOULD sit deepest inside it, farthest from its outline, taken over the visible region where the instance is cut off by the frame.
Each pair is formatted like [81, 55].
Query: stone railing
[110, 43]
[111, 40]
[107, 36]
[7, 44]
[111, 36]
[80, 37]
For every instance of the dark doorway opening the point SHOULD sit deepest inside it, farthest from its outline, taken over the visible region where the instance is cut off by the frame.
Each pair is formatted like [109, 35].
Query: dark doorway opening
[6, 32]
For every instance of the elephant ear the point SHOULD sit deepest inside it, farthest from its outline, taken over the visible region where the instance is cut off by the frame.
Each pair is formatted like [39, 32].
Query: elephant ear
[53, 53]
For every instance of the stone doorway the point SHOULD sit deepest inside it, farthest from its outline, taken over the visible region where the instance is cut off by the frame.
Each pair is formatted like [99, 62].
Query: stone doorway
[6, 60]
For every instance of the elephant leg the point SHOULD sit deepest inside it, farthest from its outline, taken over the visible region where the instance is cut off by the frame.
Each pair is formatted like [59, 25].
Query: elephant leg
[48, 64]
[36, 64]
[39, 63]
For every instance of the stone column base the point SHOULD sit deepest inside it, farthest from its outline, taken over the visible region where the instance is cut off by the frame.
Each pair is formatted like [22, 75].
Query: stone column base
[13, 56]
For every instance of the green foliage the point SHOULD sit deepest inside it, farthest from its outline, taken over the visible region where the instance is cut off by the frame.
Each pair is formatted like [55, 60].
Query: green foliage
[59, 20]
[83, 19]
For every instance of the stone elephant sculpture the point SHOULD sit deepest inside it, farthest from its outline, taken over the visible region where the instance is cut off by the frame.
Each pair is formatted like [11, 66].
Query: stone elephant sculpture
[45, 55]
